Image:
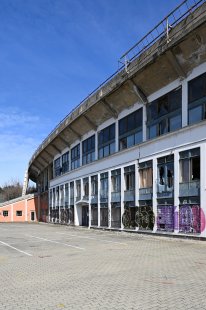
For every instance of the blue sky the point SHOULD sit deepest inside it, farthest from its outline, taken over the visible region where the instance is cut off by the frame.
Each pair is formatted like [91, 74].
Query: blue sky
[53, 53]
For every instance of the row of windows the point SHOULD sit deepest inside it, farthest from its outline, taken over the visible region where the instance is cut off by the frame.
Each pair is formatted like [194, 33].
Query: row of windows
[6, 213]
[189, 182]
[163, 115]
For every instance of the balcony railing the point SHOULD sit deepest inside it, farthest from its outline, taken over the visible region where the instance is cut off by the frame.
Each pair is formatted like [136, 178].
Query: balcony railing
[189, 189]
[116, 197]
[129, 195]
[145, 193]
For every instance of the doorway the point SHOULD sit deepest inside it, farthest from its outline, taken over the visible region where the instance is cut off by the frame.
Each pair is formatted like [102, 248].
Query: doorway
[85, 216]
[32, 215]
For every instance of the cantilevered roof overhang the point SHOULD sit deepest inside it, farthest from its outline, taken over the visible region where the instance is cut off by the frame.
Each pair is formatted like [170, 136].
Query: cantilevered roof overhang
[174, 55]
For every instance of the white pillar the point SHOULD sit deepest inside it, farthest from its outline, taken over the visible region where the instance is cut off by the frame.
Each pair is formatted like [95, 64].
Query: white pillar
[136, 178]
[155, 193]
[109, 199]
[176, 191]
[203, 188]
[90, 212]
[98, 197]
[76, 222]
[122, 195]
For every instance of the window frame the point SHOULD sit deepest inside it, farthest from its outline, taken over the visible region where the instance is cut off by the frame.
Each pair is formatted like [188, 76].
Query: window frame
[156, 116]
[129, 126]
[106, 141]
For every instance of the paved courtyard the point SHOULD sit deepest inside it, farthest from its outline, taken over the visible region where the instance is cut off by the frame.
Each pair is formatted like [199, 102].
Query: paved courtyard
[56, 267]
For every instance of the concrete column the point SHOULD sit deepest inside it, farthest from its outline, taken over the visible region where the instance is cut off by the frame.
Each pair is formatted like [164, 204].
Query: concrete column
[184, 103]
[122, 195]
[136, 177]
[69, 199]
[76, 222]
[58, 203]
[82, 189]
[203, 189]
[144, 121]
[155, 193]
[90, 213]
[116, 136]
[98, 198]
[109, 199]
[176, 191]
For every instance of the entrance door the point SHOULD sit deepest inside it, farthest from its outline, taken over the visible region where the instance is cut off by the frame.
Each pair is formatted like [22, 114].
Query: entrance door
[32, 216]
[85, 216]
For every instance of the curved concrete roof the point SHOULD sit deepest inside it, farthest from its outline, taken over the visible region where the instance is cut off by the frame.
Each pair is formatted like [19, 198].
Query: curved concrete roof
[169, 58]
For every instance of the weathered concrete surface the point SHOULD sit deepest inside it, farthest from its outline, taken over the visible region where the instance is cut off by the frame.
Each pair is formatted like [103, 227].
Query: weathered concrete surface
[105, 271]
[158, 66]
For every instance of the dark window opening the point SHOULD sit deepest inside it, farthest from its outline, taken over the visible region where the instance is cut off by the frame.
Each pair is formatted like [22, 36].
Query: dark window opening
[164, 114]
[130, 130]
[88, 150]
[75, 157]
[106, 141]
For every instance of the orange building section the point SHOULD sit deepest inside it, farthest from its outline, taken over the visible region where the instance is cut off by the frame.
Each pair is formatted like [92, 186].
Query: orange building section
[29, 208]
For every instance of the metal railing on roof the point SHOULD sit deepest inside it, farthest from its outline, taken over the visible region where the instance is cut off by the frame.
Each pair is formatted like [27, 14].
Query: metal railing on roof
[161, 29]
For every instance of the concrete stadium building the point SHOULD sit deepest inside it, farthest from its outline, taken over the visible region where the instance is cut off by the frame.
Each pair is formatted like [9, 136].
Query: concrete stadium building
[132, 155]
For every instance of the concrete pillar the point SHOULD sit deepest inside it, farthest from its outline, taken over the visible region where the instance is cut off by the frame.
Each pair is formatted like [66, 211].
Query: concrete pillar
[176, 191]
[76, 222]
[90, 213]
[136, 177]
[122, 195]
[69, 200]
[98, 197]
[109, 199]
[203, 188]
[155, 193]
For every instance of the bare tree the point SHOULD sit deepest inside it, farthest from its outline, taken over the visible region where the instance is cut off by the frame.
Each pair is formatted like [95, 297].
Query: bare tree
[10, 190]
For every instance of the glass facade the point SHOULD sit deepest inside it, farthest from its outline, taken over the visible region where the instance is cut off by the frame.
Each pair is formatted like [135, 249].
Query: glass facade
[130, 130]
[65, 162]
[197, 99]
[164, 114]
[106, 141]
[88, 150]
[75, 157]
[57, 167]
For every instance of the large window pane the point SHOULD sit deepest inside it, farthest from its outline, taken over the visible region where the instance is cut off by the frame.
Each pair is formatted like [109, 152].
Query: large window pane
[175, 122]
[195, 115]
